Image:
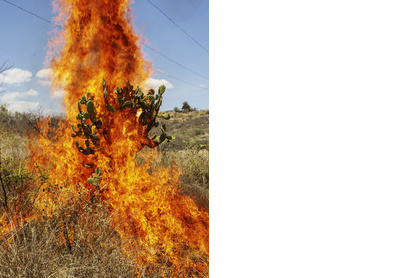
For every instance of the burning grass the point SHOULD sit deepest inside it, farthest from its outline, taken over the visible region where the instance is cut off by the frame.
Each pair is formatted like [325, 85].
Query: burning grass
[38, 247]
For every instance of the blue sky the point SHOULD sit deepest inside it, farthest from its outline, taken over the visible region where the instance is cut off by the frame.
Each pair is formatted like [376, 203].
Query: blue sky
[24, 39]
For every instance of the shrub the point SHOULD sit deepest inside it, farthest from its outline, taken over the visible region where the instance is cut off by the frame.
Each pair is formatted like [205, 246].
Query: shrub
[186, 107]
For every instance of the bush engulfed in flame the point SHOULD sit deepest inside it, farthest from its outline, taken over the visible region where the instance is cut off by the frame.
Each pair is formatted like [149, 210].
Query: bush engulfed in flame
[98, 43]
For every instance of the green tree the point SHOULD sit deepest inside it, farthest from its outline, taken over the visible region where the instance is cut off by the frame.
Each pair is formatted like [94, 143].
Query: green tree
[186, 107]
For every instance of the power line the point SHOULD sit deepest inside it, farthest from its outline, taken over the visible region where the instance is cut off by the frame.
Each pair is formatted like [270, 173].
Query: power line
[166, 74]
[177, 25]
[173, 61]
[56, 25]
[140, 42]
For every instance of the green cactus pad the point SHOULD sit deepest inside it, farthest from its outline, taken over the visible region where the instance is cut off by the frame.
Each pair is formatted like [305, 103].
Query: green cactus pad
[127, 104]
[163, 137]
[110, 108]
[90, 107]
[165, 116]
[157, 139]
[150, 97]
[161, 90]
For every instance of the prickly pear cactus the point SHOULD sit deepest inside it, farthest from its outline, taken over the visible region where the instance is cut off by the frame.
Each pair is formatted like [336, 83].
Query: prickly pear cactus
[143, 109]
[135, 101]
[85, 129]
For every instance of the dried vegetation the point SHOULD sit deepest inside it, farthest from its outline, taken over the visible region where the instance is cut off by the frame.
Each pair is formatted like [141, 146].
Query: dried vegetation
[78, 240]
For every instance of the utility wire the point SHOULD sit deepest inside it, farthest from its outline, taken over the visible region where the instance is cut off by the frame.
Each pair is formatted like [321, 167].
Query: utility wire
[166, 74]
[177, 25]
[56, 25]
[173, 61]
[29, 12]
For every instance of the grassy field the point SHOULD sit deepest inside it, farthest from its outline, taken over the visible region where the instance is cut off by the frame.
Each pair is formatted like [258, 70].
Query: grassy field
[190, 149]
[33, 248]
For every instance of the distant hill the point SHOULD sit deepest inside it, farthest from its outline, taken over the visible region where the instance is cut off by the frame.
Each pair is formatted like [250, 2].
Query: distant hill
[191, 130]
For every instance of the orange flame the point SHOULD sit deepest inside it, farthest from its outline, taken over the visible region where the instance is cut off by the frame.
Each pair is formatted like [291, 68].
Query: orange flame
[98, 42]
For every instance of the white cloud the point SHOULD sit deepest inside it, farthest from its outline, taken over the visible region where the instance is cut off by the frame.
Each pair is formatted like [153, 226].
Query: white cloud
[152, 83]
[11, 96]
[46, 75]
[15, 76]
[31, 93]
[13, 99]
[44, 82]
[23, 106]
[58, 94]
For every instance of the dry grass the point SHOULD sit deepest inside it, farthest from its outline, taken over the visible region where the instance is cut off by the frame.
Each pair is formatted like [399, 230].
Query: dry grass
[79, 239]
[35, 251]
[40, 247]
[191, 130]
[194, 178]
[194, 166]
[12, 136]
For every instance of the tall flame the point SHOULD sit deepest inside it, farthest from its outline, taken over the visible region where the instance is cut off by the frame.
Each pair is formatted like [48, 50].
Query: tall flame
[98, 42]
